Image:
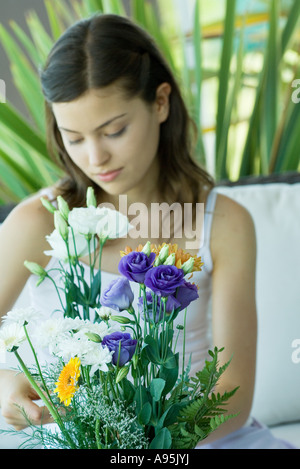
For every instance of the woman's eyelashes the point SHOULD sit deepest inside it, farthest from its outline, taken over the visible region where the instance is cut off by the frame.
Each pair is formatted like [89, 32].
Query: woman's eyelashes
[117, 134]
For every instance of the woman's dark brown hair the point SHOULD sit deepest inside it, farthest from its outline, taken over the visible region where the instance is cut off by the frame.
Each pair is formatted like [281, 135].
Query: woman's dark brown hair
[110, 49]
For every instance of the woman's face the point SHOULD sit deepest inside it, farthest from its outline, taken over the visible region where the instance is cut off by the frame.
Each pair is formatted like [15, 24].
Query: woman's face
[114, 140]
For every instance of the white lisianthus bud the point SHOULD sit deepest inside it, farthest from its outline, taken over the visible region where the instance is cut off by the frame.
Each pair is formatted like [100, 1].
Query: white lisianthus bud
[90, 197]
[93, 337]
[61, 225]
[147, 248]
[170, 259]
[187, 267]
[162, 256]
[47, 205]
[35, 269]
[122, 373]
[63, 207]
[121, 319]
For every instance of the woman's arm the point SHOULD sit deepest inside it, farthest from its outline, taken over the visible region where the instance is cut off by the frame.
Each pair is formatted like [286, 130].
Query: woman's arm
[234, 325]
[22, 237]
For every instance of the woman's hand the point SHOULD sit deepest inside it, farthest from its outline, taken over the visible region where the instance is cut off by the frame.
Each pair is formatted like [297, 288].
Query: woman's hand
[17, 400]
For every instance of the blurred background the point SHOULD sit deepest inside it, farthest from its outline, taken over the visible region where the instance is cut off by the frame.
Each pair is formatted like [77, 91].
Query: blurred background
[237, 62]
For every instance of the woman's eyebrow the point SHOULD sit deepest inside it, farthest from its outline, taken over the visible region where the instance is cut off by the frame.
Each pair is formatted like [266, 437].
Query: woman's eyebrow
[97, 128]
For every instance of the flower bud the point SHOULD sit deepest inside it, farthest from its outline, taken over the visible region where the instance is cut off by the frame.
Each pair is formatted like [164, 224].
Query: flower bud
[104, 312]
[147, 248]
[47, 205]
[135, 360]
[170, 259]
[35, 269]
[162, 256]
[90, 197]
[93, 337]
[63, 207]
[187, 267]
[120, 319]
[61, 225]
[122, 373]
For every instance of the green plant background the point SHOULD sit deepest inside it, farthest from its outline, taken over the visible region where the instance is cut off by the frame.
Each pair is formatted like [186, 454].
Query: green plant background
[236, 62]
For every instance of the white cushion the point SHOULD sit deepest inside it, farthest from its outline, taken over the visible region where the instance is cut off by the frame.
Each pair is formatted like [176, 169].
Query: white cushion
[289, 432]
[275, 209]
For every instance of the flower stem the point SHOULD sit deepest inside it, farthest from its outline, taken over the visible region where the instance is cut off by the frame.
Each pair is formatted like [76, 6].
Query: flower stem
[97, 429]
[49, 406]
[183, 352]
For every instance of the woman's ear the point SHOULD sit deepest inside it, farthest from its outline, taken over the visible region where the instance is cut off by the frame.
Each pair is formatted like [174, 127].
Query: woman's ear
[162, 101]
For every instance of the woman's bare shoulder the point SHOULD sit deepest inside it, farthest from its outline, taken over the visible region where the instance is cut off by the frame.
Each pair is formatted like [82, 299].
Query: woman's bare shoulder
[31, 208]
[22, 238]
[28, 224]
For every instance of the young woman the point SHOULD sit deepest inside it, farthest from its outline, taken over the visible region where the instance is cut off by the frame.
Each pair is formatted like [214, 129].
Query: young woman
[117, 121]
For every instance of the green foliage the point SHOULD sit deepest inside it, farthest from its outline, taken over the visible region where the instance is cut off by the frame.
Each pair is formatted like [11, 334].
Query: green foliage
[264, 141]
[204, 410]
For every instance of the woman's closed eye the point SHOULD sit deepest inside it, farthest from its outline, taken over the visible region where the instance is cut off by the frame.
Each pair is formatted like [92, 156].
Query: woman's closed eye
[117, 134]
[75, 142]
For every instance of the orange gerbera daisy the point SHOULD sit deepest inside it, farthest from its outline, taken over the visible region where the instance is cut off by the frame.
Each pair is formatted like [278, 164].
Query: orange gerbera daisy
[181, 256]
[67, 381]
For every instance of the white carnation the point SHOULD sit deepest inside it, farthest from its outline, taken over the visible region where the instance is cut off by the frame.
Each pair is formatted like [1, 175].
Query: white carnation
[98, 357]
[48, 332]
[11, 336]
[22, 315]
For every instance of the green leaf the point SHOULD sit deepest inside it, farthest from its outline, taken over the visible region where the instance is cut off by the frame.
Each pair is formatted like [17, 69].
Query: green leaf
[26, 42]
[170, 375]
[169, 417]
[162, 440]
[55, 21]
[224, 72]
[151, 349]
[141, 397]
[270, 89]
[128, 390]
[144, 415]
[156, 388]
[95, 287]
[43, 42]
[24, 133]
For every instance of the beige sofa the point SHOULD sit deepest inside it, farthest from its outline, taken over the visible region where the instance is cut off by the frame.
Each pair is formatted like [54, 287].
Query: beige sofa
[274, 203]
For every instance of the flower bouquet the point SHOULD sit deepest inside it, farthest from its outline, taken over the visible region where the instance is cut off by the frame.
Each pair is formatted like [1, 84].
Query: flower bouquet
[116, 379]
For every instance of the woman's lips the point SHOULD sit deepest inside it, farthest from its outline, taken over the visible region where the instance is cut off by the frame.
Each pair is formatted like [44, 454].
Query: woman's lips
[109, 176]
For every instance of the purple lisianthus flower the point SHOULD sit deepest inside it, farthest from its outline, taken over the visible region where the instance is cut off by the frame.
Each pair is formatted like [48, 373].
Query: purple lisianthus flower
[126, 349]
[186, 293]
[135, 265]
[164, 279]
[171, 304]
[118, 295]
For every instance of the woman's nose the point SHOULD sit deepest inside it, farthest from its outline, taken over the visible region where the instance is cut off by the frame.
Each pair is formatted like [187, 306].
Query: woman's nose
[98, 153]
